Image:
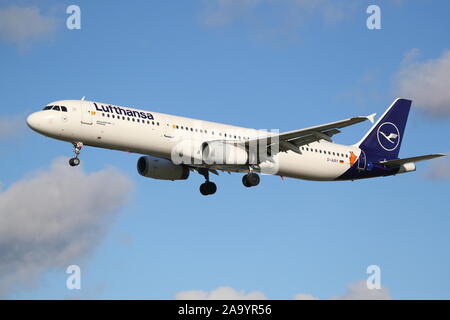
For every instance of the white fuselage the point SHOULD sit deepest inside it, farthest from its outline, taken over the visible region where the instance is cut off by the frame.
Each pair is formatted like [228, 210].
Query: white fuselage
[157, 134]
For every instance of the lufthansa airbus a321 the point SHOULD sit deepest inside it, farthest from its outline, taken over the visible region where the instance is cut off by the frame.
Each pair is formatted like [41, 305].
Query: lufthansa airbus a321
[174, 146]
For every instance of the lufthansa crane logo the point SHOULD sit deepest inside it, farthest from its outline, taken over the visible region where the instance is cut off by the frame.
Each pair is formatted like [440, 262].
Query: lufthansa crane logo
[388, 136]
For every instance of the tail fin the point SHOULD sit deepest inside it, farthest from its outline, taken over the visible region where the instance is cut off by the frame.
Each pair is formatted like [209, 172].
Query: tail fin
[384, 139]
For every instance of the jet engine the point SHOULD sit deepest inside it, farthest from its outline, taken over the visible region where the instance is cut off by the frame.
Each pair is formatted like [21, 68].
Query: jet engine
[216, 152]
[163, 169]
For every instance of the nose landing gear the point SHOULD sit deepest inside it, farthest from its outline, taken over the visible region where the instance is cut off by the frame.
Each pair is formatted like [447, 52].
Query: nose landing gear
[76, 149]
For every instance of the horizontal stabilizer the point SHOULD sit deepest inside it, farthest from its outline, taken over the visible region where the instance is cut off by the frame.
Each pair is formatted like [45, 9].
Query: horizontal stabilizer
[399, 162]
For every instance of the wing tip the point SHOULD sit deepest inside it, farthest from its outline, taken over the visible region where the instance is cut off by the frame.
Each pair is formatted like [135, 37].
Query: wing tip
[371, 117]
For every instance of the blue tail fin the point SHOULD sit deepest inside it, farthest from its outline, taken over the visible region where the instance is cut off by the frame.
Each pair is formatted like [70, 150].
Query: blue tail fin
[384, 139]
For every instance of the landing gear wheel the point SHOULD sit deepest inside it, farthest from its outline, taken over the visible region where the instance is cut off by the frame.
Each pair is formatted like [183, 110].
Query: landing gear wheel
[250, 180]
[74, 162]
[76, 150]
[203, 190]
[208, 188]
[211, 186]
[244, 182]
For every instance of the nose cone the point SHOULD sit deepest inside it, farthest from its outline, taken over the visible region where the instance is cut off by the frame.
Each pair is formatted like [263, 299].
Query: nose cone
[33, 121]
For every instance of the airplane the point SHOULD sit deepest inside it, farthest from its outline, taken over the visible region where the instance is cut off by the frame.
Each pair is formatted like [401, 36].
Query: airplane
[172, 146]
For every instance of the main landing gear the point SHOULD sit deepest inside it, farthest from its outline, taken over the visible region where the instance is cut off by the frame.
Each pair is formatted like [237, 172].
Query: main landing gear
[76, 150]
[250, 180]
[207, 187]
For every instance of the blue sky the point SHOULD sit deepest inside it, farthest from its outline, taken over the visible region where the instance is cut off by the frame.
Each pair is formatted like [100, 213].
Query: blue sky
[260, 64]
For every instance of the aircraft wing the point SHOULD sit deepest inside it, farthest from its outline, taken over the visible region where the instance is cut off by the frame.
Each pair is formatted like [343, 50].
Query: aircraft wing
[291, 140]
[399, 162]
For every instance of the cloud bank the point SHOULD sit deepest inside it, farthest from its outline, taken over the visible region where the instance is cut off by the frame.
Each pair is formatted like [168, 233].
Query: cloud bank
[427, 83]
[355, 291]
[223, 12]
[221, 293]
[358, 291]
[271, 18]
[53, 219]
[304, 296]
[22, 26]
[439, 169]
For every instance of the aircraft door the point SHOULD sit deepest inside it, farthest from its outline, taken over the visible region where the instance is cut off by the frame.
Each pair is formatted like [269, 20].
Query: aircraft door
[362, 161]
[86, 112]
[169, 131]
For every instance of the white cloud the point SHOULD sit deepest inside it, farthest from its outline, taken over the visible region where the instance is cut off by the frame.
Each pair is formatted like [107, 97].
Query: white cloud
[274, 17]
[355, 291]
[22, 26]
[426, 83]
[11, 127]
[222, 12]
[53, 219]
[304, 296]
[439, 169]
[221, 293]
[358, 291]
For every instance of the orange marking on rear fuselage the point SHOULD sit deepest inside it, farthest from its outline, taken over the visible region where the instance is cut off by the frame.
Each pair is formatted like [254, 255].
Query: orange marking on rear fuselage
[353, 158]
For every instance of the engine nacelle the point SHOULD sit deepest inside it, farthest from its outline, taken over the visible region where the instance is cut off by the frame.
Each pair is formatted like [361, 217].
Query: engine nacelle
[163, 169]
[407, 167]
[187, 152]
[217, 152]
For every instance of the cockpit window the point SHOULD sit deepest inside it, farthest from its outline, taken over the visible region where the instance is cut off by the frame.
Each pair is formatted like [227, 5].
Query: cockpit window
[56, 108]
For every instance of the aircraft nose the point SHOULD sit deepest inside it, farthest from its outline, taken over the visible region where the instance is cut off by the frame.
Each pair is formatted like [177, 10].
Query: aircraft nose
[33, 121]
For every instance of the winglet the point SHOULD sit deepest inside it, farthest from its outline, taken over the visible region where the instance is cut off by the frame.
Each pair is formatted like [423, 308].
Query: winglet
[371, 117]
[82, 99]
